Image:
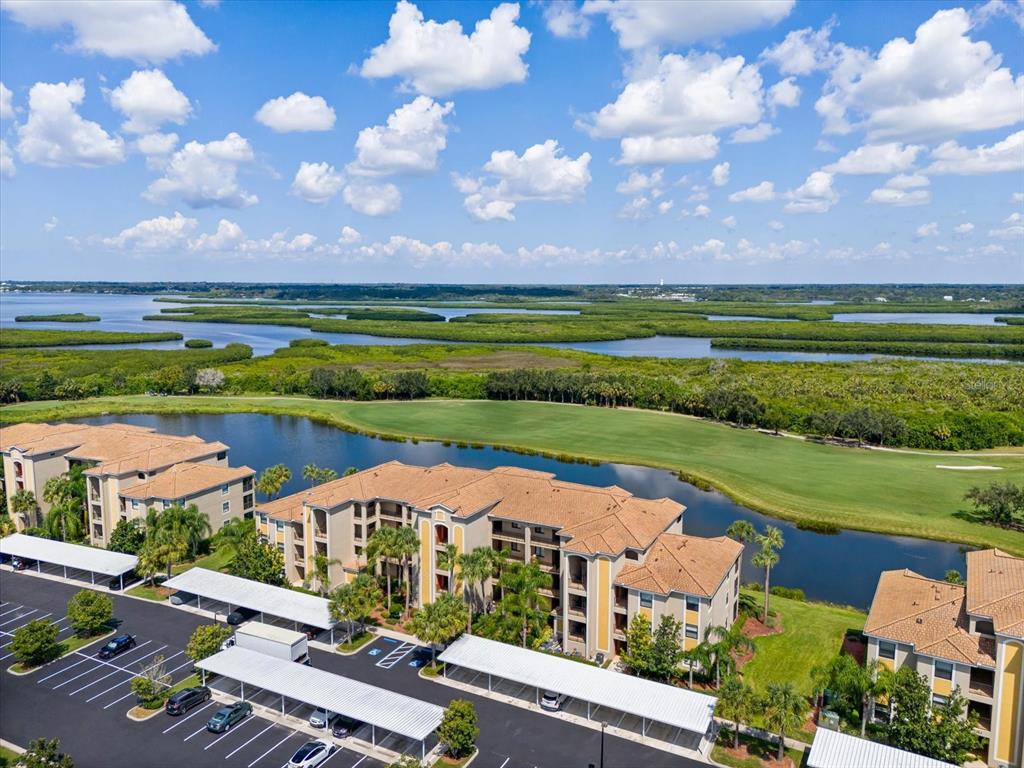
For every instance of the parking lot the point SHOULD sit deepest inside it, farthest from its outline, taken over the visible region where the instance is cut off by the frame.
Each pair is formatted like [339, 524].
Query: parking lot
[100, 736]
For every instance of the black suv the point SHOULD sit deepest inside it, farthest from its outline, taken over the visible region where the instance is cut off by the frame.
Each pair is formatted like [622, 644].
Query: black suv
[344, 727]
[240, 615]
[186, 699]
[117, 645]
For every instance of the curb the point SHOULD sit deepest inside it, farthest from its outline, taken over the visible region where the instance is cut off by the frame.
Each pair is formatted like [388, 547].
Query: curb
[104, 636]
[145, 717]
[12, 746]
[476, 753]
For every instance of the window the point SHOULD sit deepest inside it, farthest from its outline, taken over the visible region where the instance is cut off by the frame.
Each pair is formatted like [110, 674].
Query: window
[939, 701]
[515, 547]
[280, 525]
[222, 455]
[247, 502]
[516, 525]
[692, 603]
[135, 504]
[263, 518]
[984, 628]
[357, 531]
[142, 475]
[886, 650]
[943, 670]
[280, 546]
[225, 508]
[646, 600]
[225, 489]
[538, 529]
[692, 632]
[538, 552]
[631, 555]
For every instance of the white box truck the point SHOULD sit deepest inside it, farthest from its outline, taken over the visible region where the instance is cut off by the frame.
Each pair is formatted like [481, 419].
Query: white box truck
[273, 641]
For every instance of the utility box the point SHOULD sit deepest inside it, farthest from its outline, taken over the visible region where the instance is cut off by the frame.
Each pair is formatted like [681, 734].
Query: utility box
[828, 719]
[273, 641]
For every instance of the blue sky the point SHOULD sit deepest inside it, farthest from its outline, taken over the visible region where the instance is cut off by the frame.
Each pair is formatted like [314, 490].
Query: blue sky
[532, 142]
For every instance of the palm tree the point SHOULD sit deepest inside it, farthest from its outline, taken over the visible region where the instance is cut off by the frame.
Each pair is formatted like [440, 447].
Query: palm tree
[382, 546]
[701, 655]
[727, 643]
[65, 494]
[273, 479]
[784, 711]
[771, 541]
[322, 572]
[447, 559]
[520, 588]
[407, 544]
[741, 530]
[187, 524]
[438, 622]
[736, 702]
[233, 533]
[355, 601]
[476, 567]
[317, 475]
[860, 683]
[24, 503]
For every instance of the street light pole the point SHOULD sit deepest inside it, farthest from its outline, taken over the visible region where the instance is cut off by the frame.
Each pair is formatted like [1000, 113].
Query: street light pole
[603, 726]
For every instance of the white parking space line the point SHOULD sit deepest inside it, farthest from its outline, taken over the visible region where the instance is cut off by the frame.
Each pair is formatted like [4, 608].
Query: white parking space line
[100, 662]
[120, 683]
[357, 762]
[97, 660]
[21, 616]
[231, 730]
[337, 751]
[116, 670]
[62, 671]
[187, 717]
[10, 610]
[282, 741]
[194, 734]
[236, 749]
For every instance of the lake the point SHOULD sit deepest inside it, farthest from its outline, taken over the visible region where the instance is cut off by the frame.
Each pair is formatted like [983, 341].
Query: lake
[841, 568]
[124, 312]
[920, 318]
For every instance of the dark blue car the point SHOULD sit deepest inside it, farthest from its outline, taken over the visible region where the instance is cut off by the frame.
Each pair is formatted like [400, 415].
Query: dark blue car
[117, 645]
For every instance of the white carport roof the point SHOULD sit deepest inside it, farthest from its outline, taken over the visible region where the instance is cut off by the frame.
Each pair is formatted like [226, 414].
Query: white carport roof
[644, 698]
[832, 749]
[70, 555]
[385, 709]
[236, 591]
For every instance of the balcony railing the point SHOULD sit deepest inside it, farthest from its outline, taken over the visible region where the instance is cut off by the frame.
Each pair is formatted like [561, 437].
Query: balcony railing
[508, 534]
[981, 688]
[576, 582]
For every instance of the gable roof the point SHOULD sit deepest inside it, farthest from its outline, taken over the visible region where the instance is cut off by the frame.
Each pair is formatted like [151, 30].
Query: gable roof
[679, 563]
[929, 615]
[995, 588]
[593, 519]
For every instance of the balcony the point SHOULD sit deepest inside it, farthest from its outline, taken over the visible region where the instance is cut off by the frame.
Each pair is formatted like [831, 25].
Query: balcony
[508, 534]
[97, 514]
[981, 684]
[577, 583]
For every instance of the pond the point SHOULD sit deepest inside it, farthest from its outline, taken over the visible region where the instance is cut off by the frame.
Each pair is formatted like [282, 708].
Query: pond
[920, 318]
[841, 568]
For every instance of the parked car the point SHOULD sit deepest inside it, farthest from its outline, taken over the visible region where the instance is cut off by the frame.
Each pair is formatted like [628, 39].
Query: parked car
[344, 727]
[240, 615]
[310, 631]
[116, 582]
[186, 699]
[117, 645]
[552, 701]
[227, 716]
[227, 643]
[321, 718]
[311, 754]
[179, 598]
[21, 563]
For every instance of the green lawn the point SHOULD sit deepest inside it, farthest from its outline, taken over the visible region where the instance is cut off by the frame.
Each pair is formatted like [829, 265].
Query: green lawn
[891, 492]
[147, 592]
[7, 757]
[215, 561]
[356, 642]
[756, 750]
[812, 634]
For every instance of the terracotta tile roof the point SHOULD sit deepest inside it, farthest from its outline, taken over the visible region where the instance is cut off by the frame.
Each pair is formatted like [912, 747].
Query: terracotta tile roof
[995, 588]
[117, 448]
[594, 519]
[929, 615]
[680, 563]
[186, 479]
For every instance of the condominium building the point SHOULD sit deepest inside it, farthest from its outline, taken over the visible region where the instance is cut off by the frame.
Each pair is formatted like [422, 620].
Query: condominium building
[609, 554]
[121, 457]
[968, 636]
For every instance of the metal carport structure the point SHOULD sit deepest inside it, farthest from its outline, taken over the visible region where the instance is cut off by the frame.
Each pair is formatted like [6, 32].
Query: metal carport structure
[76, 556]
[832, 749]
[378, 707]
[645, 699]
[290, 604]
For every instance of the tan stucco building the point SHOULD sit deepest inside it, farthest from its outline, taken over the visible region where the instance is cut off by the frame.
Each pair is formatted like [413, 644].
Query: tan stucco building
[129, 469]
[595, 543]
[967, 636]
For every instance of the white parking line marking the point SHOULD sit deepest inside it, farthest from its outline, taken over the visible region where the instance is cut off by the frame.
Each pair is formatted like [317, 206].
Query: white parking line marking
[100, 662]
[116, 670]
[229, 754]
[22, 616]
[282, 741]
[396, 655]
[120, 683]
[182, 720]
[12, 610]
[231, 729]
[337, 751]
[500, 766]
[62, 671]
[194, 734]
[357, 762]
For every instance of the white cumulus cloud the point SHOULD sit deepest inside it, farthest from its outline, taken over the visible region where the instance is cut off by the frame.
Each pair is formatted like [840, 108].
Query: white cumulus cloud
[902, 190]
[892, 157]
[802, 51]
[815, 195]
[148, 99]
[762, 193]
[542, 172]
[7, 167]
[161, 233]
[410, 142]
[296, 113]
[720, 174]
[644, 23]
[755, 133]
[317, 182]
[563, 18]
[373, 199]
[141, 30]
[6, 102]
[930, 229]
[785, 93]
[436, 59]
[1005, 155]
[55, 134]
[205, 175]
